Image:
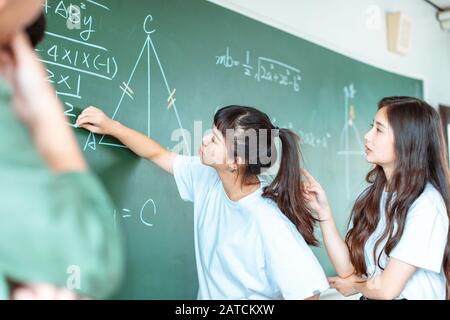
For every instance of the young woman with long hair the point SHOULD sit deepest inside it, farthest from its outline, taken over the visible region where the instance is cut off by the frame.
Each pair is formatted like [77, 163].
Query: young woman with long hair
[397, 246]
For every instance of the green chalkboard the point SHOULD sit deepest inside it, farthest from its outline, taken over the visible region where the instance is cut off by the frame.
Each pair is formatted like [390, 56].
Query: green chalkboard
[128, 57]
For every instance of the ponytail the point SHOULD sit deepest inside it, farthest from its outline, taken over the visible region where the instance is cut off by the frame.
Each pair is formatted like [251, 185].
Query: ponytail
[287, 190]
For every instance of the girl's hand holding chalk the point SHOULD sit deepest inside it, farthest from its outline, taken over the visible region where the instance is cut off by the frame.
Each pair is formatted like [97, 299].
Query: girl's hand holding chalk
[96, 121]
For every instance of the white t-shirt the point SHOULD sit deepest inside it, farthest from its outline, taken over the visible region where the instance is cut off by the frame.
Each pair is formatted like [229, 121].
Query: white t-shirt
[246, 249]
[421, 245]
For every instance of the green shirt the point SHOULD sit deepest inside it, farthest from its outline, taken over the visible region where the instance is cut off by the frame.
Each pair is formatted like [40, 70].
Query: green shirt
[52, 227]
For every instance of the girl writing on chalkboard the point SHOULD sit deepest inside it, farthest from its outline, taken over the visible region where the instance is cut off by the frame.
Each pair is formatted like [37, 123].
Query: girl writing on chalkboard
[398, 243]
[251, 238]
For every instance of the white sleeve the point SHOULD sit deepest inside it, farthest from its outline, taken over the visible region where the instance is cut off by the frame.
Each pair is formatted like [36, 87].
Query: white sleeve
[291, 264]
[188, 172]
[424, 237]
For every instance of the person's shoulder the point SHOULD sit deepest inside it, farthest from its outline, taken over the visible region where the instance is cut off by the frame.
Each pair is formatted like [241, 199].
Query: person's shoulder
[274, 226]
[267, 214]
[432, 196]
[188, 159]
[430, 202]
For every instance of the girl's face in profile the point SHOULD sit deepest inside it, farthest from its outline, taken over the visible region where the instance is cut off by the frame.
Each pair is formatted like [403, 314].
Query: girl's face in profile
[213, 151]
[380, 149]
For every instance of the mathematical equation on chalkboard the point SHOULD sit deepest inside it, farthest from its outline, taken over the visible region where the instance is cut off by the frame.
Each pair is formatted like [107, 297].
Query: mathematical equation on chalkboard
[311, 139]
[145, 214]
[265, 69]
[72, 55]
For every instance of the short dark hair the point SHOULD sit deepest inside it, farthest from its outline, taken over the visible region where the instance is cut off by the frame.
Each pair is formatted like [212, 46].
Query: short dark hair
[36, 31]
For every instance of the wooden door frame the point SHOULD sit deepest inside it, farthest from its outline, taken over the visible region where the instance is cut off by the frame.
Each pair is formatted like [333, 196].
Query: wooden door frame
[444, 112]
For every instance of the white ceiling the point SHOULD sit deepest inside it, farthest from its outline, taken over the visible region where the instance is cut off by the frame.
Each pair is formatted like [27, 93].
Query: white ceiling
[442, 3]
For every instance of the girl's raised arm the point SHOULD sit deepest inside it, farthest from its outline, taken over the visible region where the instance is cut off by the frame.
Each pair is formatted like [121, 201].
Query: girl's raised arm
[96, 121]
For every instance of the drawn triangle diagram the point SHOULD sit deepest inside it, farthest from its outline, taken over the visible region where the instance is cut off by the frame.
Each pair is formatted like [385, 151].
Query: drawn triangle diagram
[145, 90]
[351, 142]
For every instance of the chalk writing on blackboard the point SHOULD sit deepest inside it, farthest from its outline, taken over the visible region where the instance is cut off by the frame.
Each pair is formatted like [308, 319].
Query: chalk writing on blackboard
[147, 52]
[146, 213]
[91, 59]
[75, 16]
[308, 138]
[265, 69]
[349, 131]
[69, 59]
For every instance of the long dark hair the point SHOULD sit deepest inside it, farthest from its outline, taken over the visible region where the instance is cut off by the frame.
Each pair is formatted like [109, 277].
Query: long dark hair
[421, 157]
[36, 31]
[286, 190]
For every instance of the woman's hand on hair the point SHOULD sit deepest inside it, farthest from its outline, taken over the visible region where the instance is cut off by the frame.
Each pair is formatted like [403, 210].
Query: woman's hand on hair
[315, 196]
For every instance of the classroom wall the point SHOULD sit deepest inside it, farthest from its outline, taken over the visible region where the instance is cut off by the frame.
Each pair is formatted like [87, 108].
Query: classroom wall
[342, 25]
